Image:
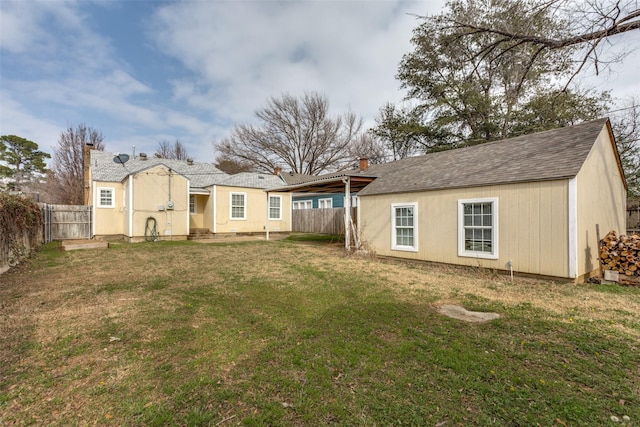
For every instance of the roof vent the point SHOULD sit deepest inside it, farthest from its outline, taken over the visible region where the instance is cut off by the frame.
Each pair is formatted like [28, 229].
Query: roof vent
[143, 156]
[260, 177]
[190, 162]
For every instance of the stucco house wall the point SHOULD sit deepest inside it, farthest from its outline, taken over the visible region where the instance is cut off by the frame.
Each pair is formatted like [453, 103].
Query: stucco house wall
[255, 212]
[107, 218]
[153, 189]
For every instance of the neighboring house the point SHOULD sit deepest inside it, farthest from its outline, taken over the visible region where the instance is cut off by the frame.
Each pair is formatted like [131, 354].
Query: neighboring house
[531, 203]
[173, 198]
[321, 201]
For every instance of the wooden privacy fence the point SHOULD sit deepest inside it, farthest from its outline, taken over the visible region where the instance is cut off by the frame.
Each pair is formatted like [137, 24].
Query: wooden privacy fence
[323, 221]
[66, 222]
[633, 216]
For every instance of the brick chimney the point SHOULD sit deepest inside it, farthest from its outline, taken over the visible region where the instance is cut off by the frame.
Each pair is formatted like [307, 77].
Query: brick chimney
[364, 164]
[277, 170]
[86, 164]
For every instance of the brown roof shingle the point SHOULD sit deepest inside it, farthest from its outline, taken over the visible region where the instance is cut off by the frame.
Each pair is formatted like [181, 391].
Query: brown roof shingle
[549, 155]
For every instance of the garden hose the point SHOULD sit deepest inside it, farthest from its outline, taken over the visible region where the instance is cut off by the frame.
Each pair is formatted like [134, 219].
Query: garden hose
[151, 231]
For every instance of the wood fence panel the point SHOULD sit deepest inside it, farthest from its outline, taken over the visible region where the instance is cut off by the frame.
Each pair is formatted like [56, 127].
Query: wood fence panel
[66, 222]
[322, 221]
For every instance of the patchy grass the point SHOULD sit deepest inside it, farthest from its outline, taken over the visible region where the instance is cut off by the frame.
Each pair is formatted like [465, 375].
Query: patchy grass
[287, 333]
[313, 237]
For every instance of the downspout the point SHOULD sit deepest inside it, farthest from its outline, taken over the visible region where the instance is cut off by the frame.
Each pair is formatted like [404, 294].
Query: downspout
[267, 226]
[573, 228]
[188, 216]
[130, 206]
[169, 213]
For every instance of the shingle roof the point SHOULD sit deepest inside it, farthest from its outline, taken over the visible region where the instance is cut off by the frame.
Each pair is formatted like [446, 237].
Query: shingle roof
[253, 180]
[200, 175]
[549, 155]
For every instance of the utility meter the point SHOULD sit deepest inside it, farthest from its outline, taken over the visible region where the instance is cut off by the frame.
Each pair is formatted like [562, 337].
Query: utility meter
[170, 205]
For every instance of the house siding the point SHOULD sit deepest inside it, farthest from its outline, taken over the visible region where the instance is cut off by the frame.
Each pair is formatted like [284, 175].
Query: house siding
[601, 199]
[108, 221]
[151, 190]
[532, 224]
[197, 219]
[337, 199]
[256, 211]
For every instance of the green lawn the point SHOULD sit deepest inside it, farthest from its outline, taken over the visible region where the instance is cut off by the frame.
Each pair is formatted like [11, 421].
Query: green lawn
[296, 333]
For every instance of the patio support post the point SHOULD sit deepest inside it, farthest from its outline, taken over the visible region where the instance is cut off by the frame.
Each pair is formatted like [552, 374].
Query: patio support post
[347, 214]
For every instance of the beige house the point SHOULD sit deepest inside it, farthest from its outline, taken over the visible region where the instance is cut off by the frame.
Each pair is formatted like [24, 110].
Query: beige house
[532, 203]
[158, 199]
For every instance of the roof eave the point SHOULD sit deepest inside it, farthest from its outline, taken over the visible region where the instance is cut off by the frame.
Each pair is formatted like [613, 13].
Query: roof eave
[458, 187]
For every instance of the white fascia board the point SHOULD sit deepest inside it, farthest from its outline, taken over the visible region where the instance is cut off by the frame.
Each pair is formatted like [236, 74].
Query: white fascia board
[573, 227]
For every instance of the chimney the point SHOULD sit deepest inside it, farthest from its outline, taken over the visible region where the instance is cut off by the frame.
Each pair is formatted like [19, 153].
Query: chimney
[86, 165]
[364, 164]
[277, 170]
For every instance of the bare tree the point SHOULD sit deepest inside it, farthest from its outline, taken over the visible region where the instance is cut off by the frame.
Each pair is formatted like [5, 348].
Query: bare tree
[579, 25]
[66, 182]
[295, 132]
[232, 166]
[368, 146]
[625, 124]
[175, 151]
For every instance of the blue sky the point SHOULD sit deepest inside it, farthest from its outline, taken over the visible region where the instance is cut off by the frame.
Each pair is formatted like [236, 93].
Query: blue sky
[147, 71]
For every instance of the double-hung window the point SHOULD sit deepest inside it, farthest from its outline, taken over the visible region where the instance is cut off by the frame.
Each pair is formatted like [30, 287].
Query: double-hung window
[325, 203]
[238, 205]
[106, 197]
[192, 203]
[404, 228]
[302, 204]
[478, 228]
[275, 207]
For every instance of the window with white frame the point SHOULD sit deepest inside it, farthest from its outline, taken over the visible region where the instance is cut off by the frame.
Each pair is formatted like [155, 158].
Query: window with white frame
[192, 203]
[275, 207]
[478, 228]
[106, 197]
[325, 203]
[238, 206]
[404, 228]
[302, 204]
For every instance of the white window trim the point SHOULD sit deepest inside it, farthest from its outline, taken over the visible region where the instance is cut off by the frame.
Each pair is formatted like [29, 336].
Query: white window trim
[298, 203]
[244, 210]
[494, 229]
[326, 200]
[394, 246]
[99, 199]
[279, 217]
[195, 204]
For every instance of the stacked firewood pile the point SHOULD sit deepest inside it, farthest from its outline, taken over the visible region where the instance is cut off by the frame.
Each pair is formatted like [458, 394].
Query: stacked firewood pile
[621, 254]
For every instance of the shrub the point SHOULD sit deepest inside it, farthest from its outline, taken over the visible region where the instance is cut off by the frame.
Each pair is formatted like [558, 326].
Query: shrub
[20, 219]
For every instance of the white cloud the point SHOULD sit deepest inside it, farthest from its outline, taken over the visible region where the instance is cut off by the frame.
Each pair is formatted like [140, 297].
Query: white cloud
[17, 120]
[244, 52]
